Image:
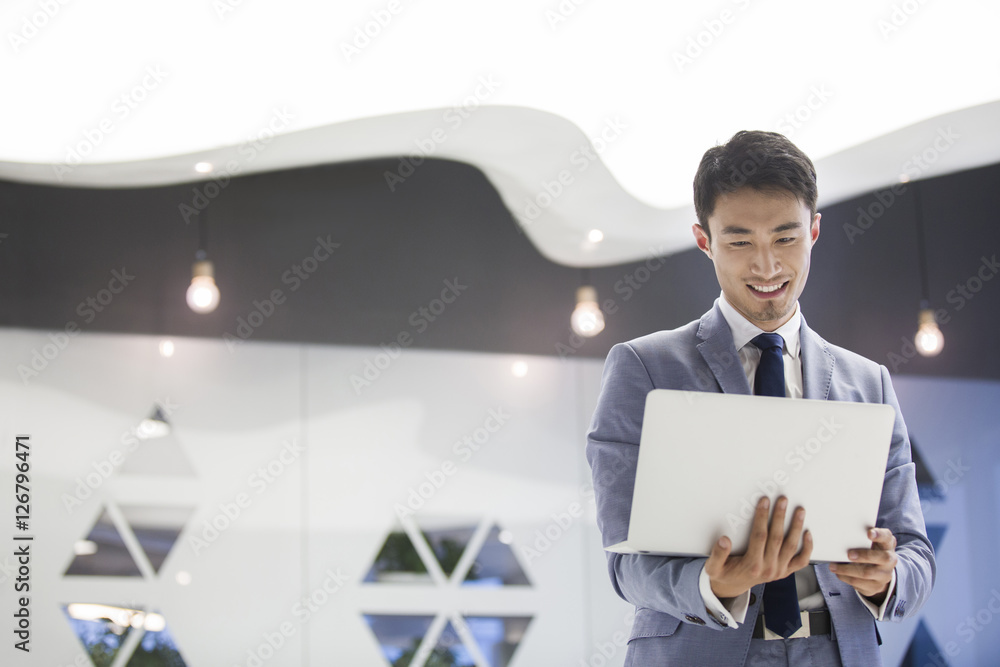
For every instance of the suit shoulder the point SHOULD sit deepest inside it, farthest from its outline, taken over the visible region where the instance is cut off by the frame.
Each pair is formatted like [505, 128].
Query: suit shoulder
[849, 356]
[852, 361]
[668, 339]
[660, 352]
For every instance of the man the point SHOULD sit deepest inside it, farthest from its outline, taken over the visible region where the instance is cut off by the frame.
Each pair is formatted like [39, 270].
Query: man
[755, 198]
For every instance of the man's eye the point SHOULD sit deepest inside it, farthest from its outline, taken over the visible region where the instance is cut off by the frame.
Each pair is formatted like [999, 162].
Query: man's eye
[787, 239]
[739, 244]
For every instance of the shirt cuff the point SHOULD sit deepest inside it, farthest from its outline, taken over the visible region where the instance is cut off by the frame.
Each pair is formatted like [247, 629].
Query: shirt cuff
[876, 611]
[730, 612]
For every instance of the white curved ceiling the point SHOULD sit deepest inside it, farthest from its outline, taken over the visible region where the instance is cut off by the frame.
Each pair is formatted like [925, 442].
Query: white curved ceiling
[520, 89]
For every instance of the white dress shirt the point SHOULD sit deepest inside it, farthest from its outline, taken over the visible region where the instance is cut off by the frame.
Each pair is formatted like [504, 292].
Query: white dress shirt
[734, 610]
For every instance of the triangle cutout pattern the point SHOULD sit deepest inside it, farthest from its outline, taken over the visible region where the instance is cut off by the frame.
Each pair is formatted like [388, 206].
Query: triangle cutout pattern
[156, 529]
[496, 564]
[927, 487]
[101, 637]
[450, 650]
[398, 562]
[399, 636]
[935, 533]
[448, 545]
[923, 650]
[157, 647]
[109, 558]
[160, 457]
[498, 636]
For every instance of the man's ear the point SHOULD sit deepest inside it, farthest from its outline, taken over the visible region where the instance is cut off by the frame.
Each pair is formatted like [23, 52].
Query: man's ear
[814, 228]
[701, 238]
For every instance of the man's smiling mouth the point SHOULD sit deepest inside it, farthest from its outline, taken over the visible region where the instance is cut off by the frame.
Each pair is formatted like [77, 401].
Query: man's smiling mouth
[767, 289]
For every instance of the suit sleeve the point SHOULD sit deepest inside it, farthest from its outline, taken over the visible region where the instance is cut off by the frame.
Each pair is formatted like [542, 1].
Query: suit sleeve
[664, 584]
[900, 512]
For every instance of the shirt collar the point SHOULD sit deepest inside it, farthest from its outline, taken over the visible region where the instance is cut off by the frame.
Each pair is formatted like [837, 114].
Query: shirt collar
[744, 331]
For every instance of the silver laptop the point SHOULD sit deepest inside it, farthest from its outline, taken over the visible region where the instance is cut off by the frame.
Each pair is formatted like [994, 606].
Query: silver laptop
[706, 458]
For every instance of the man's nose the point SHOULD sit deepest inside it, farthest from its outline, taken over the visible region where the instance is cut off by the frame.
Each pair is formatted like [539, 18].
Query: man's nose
[765, 264]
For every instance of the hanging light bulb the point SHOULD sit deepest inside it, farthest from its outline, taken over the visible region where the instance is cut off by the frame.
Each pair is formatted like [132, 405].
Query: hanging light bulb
[929, 339]
[587, 319]
[202, 294]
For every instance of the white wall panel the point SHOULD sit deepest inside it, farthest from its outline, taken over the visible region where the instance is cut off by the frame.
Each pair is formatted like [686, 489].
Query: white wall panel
[287, 570]
[400, 442]
[232, 413]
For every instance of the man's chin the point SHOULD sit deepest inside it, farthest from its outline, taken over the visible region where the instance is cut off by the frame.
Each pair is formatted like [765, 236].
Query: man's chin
[770, 318]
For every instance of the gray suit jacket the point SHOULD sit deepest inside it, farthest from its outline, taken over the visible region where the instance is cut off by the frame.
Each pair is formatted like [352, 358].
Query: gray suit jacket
[700, 356]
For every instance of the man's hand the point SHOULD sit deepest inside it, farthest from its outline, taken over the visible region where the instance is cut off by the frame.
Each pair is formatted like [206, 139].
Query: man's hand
[770, 554]
[870, 570]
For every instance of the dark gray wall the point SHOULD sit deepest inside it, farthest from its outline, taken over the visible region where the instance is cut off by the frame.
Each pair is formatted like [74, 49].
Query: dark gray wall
[446, 222]
[864, 290]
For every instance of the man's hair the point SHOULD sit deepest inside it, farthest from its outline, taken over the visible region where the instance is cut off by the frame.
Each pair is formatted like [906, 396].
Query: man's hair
[764, 161]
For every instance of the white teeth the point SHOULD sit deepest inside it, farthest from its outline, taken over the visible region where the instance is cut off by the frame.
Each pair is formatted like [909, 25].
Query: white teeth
[762, 288]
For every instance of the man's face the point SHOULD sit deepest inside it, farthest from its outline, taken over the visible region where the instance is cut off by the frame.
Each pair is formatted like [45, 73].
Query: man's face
[761, 244]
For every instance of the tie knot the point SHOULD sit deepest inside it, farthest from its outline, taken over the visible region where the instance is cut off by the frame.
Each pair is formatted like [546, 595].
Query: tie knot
[766, 341]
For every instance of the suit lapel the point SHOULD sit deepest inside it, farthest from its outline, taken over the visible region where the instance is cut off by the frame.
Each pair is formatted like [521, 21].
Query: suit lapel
[817, 364]
[719, 353]
[716, 348]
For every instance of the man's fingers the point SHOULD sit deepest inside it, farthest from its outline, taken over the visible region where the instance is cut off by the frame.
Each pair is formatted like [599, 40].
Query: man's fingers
[790, 546]
[865, 581]
[862, 585]
[882, 538]
[859, 571]
[758, 531]
[850, 570]
[872, 556]
[776, 534]
[870, 570]
[717, 559]
[801, 559]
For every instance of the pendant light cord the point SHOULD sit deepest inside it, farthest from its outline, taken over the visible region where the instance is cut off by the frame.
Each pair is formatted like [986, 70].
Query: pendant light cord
[921, 247]
[202, 252]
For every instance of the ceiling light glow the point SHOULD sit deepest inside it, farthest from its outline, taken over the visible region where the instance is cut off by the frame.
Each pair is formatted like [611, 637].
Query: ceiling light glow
[587, 319]
[929, 339]
[203, 294]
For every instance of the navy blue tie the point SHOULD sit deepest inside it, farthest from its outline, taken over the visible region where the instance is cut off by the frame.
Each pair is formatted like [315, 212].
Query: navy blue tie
[781, 600]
